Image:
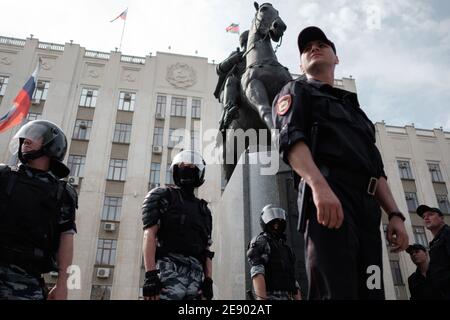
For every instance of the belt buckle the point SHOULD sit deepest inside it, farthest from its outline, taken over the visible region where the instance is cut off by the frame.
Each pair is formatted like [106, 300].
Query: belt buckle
[372, 187]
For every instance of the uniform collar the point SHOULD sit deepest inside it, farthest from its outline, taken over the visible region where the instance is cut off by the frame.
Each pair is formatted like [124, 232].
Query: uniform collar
[440, 234]
[31, 172]
[336, 92]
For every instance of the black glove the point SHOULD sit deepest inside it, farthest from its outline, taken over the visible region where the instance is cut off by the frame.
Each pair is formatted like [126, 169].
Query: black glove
[152, 284]
[207, 288]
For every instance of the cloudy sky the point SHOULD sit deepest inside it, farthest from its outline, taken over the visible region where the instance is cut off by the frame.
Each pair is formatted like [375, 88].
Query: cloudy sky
[397, 50]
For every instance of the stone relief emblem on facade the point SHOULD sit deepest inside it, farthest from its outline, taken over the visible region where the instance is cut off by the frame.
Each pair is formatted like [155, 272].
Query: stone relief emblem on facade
[6, 61]
[181, 75]
[46, 65]
[92, 73]
[129, 77]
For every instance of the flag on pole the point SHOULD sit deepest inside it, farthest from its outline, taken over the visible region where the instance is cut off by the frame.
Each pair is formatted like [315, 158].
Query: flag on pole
[122, 16]
[233, 28]
[22, 103]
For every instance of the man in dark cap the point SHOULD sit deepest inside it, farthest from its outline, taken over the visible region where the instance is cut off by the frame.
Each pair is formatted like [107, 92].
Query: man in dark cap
[419, 285]
[439, 268]
[345, 173]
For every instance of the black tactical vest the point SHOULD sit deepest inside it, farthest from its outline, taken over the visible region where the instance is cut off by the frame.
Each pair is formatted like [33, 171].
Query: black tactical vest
[184, 228]
[280, 269]
[29, 210]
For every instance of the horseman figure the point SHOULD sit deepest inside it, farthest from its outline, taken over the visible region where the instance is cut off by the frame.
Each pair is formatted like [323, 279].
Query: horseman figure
[263, 78]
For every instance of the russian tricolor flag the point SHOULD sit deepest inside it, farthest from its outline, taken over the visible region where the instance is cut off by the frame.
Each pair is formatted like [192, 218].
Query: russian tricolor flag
[122, 16]
[22, 103]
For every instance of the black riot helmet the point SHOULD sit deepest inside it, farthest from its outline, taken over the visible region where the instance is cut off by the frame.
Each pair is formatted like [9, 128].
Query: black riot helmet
[54, 145]
[269, 215]
[188, 177]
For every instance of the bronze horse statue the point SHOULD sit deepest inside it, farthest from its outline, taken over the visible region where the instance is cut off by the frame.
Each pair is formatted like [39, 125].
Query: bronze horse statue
[262, 80]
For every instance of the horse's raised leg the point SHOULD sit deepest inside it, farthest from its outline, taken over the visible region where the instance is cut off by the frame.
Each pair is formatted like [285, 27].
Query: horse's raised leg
[257, 95]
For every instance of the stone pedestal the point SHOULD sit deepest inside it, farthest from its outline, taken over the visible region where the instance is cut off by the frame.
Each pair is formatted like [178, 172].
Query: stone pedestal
[236, 222]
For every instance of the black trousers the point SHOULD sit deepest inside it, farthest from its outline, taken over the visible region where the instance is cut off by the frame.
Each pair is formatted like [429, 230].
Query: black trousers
[339, 262]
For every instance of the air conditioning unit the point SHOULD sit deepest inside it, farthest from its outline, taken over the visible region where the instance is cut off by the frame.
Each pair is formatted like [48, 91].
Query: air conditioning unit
[89, 94]
[83, 125]
[159, 116]
[40, 85]
[109, 226]
[157, 149]
[53, 274]
[403, 165]
[36, 101]
[75, 181]
[127, 97]
[103, 273]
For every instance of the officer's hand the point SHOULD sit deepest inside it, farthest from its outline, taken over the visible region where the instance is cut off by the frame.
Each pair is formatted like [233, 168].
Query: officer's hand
[58, 292]
[152, 285]
[206, 289]
[329, 208]
[396, 235]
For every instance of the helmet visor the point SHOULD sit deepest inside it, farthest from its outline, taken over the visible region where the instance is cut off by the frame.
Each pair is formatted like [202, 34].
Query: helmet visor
[35, 132]
[272, 214]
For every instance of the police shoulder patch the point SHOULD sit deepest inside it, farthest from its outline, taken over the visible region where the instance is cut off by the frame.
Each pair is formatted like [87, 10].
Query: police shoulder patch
[284, 104]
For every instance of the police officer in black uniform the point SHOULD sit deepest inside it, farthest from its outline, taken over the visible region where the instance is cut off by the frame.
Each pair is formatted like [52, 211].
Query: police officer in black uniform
[419, 284]
[177, 236]
[272, 260]
[37, 216]
[228, 86]
[346, 177]
[439, 267]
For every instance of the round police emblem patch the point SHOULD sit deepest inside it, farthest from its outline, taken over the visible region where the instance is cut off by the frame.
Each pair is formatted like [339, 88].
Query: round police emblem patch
[284, 104]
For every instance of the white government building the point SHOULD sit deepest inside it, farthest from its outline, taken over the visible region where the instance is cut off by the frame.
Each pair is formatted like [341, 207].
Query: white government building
[121, 114]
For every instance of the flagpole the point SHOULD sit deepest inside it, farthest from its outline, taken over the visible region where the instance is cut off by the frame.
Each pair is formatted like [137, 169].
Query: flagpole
[123, 31]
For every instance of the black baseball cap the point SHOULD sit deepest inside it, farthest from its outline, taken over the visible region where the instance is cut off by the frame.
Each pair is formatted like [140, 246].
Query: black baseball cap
[423, 208]
[311, 34]
[416, 246]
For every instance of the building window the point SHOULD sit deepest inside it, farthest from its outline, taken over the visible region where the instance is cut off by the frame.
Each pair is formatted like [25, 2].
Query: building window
[41, 90]
[117, 169]
[34, 116]
[106, 252]
[158, 136]
[442, 200]
[396, 273]
[100, 292]
[405, 170]
[161, 102]
[126, 101]
[435, 171]
[195, 141]
[4, 80]
[122, 133]
[155, 169]
[111, 208]
[176, 138]
[420, 236]
[411, 201]
[169, 176]
[82, 129]
[196, 108]
[88, 97]
[76, 165]
[178, 107]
